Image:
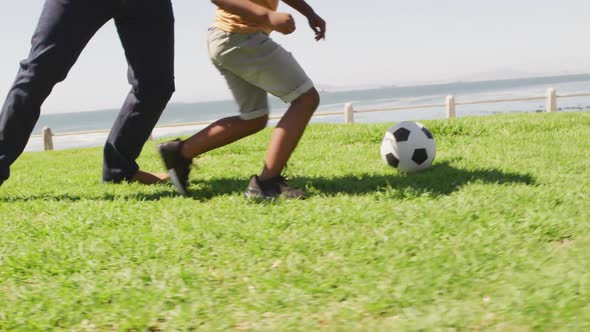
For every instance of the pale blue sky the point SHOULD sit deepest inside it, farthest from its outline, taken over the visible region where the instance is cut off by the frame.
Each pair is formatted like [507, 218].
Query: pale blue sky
[389, 42]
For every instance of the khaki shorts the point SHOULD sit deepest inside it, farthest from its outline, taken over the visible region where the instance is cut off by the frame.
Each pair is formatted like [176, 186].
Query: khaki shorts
[254, 65]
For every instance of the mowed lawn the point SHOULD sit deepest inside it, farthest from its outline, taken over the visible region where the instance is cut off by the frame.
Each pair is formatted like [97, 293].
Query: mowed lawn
[496, 236]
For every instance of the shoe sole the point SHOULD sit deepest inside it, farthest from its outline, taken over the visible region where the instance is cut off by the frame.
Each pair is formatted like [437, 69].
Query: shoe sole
[255, 195]
[174, 179]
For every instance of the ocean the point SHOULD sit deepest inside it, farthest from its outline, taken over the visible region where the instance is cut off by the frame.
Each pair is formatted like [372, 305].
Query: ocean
[333, 101]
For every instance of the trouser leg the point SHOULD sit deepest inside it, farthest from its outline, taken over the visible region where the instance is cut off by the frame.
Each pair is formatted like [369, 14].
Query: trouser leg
[64, 29]
[146, 29]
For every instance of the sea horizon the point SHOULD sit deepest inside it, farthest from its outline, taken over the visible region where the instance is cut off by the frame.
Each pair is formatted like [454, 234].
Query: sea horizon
[333, 101]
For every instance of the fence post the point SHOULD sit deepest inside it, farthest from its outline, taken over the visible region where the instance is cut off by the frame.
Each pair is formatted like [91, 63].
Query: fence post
[47, 139]
[348, 113]
[551, 100]
[451, 107]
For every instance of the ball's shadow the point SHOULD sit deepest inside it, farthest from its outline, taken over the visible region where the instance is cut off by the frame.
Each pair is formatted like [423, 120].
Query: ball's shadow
[441, 179]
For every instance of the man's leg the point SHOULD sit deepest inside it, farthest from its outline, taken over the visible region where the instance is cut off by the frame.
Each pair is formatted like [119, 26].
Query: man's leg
[146, 29]
[64, 29]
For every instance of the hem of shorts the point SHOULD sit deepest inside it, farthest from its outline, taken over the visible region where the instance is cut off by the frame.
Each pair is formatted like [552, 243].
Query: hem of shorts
[305, 87]
[254, 114]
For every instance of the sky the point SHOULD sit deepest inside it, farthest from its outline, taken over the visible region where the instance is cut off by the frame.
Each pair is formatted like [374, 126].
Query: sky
[381, 44]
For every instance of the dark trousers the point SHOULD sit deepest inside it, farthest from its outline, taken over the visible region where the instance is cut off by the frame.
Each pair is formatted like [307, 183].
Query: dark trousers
[146, 30]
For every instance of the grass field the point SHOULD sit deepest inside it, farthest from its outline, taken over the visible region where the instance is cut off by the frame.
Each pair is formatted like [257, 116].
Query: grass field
[496, 236]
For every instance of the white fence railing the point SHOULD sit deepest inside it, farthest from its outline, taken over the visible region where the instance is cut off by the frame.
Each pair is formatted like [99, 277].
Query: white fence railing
[349, 112]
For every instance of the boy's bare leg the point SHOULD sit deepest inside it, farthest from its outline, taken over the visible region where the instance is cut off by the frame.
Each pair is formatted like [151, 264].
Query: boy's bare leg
[288, 132]
[221, 133]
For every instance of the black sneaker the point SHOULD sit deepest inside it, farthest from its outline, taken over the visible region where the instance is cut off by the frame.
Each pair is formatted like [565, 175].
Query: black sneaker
[272, 188]
[177, 166]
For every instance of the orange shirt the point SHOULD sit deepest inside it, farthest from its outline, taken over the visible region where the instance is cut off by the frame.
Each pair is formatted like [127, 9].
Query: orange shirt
[234, 23]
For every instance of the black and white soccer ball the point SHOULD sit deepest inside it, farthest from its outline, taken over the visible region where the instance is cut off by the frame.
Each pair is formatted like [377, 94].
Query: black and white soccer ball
[409, 147]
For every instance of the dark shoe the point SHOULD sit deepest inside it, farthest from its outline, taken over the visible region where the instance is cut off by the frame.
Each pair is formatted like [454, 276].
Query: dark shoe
[272, 188]
[177, 166]
[4, 175]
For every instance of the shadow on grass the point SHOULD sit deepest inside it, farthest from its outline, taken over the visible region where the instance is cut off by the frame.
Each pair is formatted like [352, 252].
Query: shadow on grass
[441, 179]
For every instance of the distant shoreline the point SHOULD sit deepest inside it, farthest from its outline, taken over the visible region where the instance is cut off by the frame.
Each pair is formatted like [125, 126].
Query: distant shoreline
[499, 83]
[368, 99]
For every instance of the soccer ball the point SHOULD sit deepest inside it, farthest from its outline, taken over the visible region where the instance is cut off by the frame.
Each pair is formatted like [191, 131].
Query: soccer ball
[409, 147]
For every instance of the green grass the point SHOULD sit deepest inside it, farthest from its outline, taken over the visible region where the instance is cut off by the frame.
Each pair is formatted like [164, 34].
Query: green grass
[496, 236]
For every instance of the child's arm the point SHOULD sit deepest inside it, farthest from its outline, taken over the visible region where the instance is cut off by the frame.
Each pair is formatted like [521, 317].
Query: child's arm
[281, 22]
[317, 24]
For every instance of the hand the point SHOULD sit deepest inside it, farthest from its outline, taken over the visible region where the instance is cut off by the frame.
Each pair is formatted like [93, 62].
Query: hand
[318, 25]
[282, 22]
